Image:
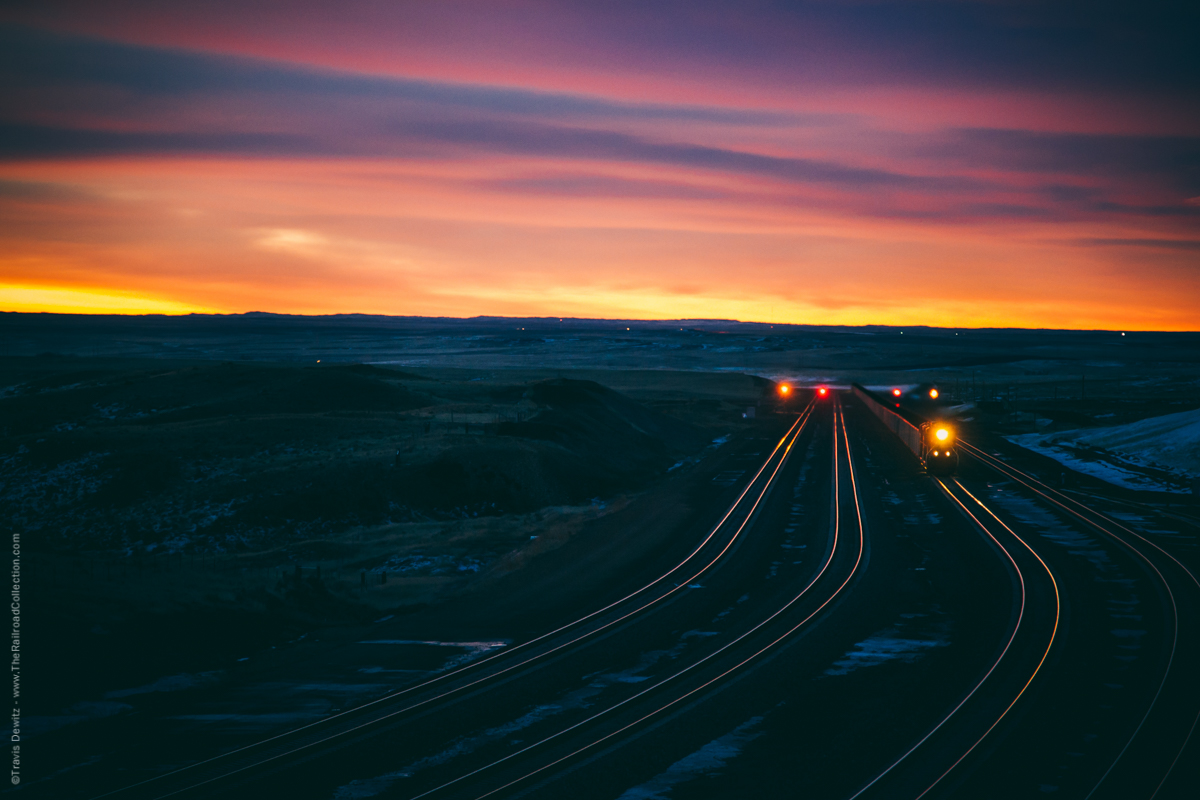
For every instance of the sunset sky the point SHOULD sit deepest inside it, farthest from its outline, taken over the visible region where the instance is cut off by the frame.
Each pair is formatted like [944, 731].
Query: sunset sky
[943, 163]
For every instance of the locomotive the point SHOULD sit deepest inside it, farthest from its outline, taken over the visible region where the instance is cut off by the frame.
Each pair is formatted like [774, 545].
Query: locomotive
[908, 415]
[940, 455]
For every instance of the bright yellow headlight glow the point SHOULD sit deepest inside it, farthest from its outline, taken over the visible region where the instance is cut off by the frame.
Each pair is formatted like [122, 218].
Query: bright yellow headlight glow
[942, 434]
[933, 393]
[784, 389]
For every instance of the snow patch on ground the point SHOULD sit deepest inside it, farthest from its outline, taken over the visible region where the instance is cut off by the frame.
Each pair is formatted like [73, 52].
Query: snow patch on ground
[473, 650]
[906, 641]
[581, 698]
[1172, 440]
[708, 759]
[881, 648]
[260, 723]
[1050, 527]
[345, 690]
[1159, 453]
[171, 683]
[79, 712]
[432, 565]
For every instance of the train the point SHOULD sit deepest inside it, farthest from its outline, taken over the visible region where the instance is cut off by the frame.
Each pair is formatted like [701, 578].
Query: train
[906, 414]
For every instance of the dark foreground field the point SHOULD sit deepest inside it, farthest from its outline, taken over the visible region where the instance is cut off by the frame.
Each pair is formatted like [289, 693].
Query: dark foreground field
[180, 515]
[225, 540]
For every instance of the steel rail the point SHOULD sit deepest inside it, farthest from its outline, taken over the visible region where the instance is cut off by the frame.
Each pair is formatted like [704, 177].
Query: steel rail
[828, 561]
[1070, 506]
[1180, 516]
[1049, 645]
[995, 664]
[790, 438]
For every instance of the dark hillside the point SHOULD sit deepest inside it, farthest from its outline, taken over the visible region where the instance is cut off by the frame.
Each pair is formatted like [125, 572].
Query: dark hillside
[79, 397]
[583, 440]
[241, 456]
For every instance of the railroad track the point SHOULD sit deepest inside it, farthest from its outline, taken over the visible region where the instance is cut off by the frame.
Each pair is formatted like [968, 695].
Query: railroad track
[475, 676]
[730, 659]
[937, 763]
[1133, 769]
[1173, 578]
[1007, 542]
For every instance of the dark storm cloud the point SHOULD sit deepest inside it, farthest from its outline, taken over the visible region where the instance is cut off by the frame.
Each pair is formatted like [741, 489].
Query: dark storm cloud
[38, 60]
[40, 141]
[439, 138]
[1046, 44]
[530, 138]
[1165, 170]
[1039, 44]
[1155, 244]
[583, 185]
[40, 191]
[1085, 154]
[427, 115]
[1035, 43]
[1148, 210]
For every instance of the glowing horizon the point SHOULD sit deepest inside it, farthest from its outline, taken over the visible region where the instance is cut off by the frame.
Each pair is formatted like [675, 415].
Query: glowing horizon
[827, 165]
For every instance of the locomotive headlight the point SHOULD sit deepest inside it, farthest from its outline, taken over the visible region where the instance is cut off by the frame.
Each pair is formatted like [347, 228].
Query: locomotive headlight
[942, 434]
[784, 388]
[933, 393]
[895, 392]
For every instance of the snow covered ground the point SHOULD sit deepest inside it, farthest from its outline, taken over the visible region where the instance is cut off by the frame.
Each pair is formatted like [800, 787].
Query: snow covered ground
[1159, 453]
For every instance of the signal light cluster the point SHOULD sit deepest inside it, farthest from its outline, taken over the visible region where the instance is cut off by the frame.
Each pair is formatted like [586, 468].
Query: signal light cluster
[784, 390]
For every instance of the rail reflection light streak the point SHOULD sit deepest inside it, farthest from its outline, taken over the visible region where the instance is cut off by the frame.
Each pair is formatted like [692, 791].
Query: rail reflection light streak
[1049, 645]
[1069, 505]
[995, 664]
[789, 438]
[839, 420]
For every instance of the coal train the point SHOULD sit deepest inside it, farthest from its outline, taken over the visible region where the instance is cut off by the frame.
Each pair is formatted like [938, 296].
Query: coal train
[907, 414]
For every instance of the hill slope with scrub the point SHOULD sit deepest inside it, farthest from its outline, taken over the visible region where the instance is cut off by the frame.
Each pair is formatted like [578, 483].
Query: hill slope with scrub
[240, 456]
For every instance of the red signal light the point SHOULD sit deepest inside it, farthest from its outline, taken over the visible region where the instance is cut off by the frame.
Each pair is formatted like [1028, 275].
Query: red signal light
[822, 391]
[896, 392]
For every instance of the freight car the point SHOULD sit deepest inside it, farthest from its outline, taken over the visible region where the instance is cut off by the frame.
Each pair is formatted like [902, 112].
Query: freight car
[934, 443]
